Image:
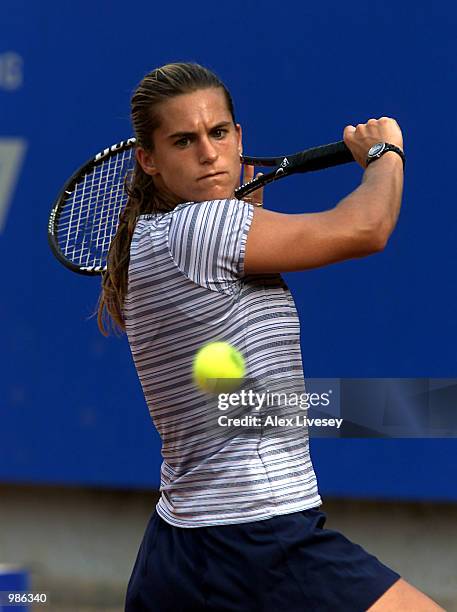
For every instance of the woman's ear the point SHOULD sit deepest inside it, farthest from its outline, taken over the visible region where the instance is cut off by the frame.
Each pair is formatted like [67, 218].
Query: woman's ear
[240, 137]
[146, 161]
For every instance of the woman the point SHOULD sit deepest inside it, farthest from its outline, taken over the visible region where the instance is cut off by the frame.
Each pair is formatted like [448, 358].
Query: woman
[237, 526]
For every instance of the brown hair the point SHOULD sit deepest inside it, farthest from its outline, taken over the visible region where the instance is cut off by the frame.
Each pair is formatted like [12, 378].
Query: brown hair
[143, 197]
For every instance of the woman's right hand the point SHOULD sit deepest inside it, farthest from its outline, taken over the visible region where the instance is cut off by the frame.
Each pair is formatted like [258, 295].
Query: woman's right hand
[361, 138]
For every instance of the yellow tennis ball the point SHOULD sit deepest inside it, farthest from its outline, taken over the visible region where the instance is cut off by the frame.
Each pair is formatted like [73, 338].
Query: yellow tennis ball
[218, 368]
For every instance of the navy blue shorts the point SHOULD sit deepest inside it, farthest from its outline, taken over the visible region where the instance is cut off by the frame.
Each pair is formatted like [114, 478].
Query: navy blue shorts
[289, 562]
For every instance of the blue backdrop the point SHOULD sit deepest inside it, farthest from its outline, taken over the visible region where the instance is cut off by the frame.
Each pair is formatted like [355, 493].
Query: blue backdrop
[71, 408]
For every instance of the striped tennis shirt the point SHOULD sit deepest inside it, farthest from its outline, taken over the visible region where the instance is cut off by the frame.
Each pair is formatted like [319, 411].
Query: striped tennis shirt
[187, 287]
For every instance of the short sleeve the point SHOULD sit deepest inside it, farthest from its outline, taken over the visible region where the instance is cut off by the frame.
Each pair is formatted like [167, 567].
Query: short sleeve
[207, 241]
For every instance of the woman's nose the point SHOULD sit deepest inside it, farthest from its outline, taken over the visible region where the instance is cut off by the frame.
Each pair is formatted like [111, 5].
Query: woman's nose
[208, 152]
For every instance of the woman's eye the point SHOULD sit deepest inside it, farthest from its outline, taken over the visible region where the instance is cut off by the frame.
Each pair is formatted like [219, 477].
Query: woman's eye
[182, 142]
[220, 133]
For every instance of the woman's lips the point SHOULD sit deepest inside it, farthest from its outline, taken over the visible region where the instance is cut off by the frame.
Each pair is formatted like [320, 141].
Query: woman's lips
[210, 176]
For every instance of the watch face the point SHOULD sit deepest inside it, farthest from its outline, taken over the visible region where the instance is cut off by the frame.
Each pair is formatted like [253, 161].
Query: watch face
[375, 149]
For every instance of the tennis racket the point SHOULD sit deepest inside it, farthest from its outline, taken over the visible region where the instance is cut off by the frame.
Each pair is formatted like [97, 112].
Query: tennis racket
[85, 216]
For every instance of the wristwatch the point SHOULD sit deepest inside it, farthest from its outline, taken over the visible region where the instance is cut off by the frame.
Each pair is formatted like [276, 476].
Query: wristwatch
[378, 149]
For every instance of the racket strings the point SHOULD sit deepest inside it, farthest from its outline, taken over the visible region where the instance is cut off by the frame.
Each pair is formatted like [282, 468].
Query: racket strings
[90, 214]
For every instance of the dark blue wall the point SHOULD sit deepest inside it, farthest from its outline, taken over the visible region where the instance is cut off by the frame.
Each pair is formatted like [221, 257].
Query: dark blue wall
[71, 408]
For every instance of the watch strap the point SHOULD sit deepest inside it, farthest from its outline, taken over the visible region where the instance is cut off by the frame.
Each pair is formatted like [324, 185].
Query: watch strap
[387, 147]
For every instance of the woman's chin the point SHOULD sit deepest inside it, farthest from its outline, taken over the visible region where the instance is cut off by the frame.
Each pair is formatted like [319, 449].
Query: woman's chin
[215, 194]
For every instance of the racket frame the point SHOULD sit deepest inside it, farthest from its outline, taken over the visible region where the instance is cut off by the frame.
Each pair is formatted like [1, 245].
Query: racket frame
[66, 191]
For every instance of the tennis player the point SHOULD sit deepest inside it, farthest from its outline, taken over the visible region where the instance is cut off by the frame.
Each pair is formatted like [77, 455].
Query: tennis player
[238, 525]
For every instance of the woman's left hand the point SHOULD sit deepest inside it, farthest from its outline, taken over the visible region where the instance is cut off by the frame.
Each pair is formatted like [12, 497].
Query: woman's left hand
[256, 197]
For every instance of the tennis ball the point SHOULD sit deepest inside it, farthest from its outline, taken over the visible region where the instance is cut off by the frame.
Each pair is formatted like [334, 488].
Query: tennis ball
[218, 368]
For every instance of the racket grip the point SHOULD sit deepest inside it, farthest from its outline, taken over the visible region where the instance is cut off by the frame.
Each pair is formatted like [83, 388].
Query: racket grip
[317, 158]
[325, 156]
